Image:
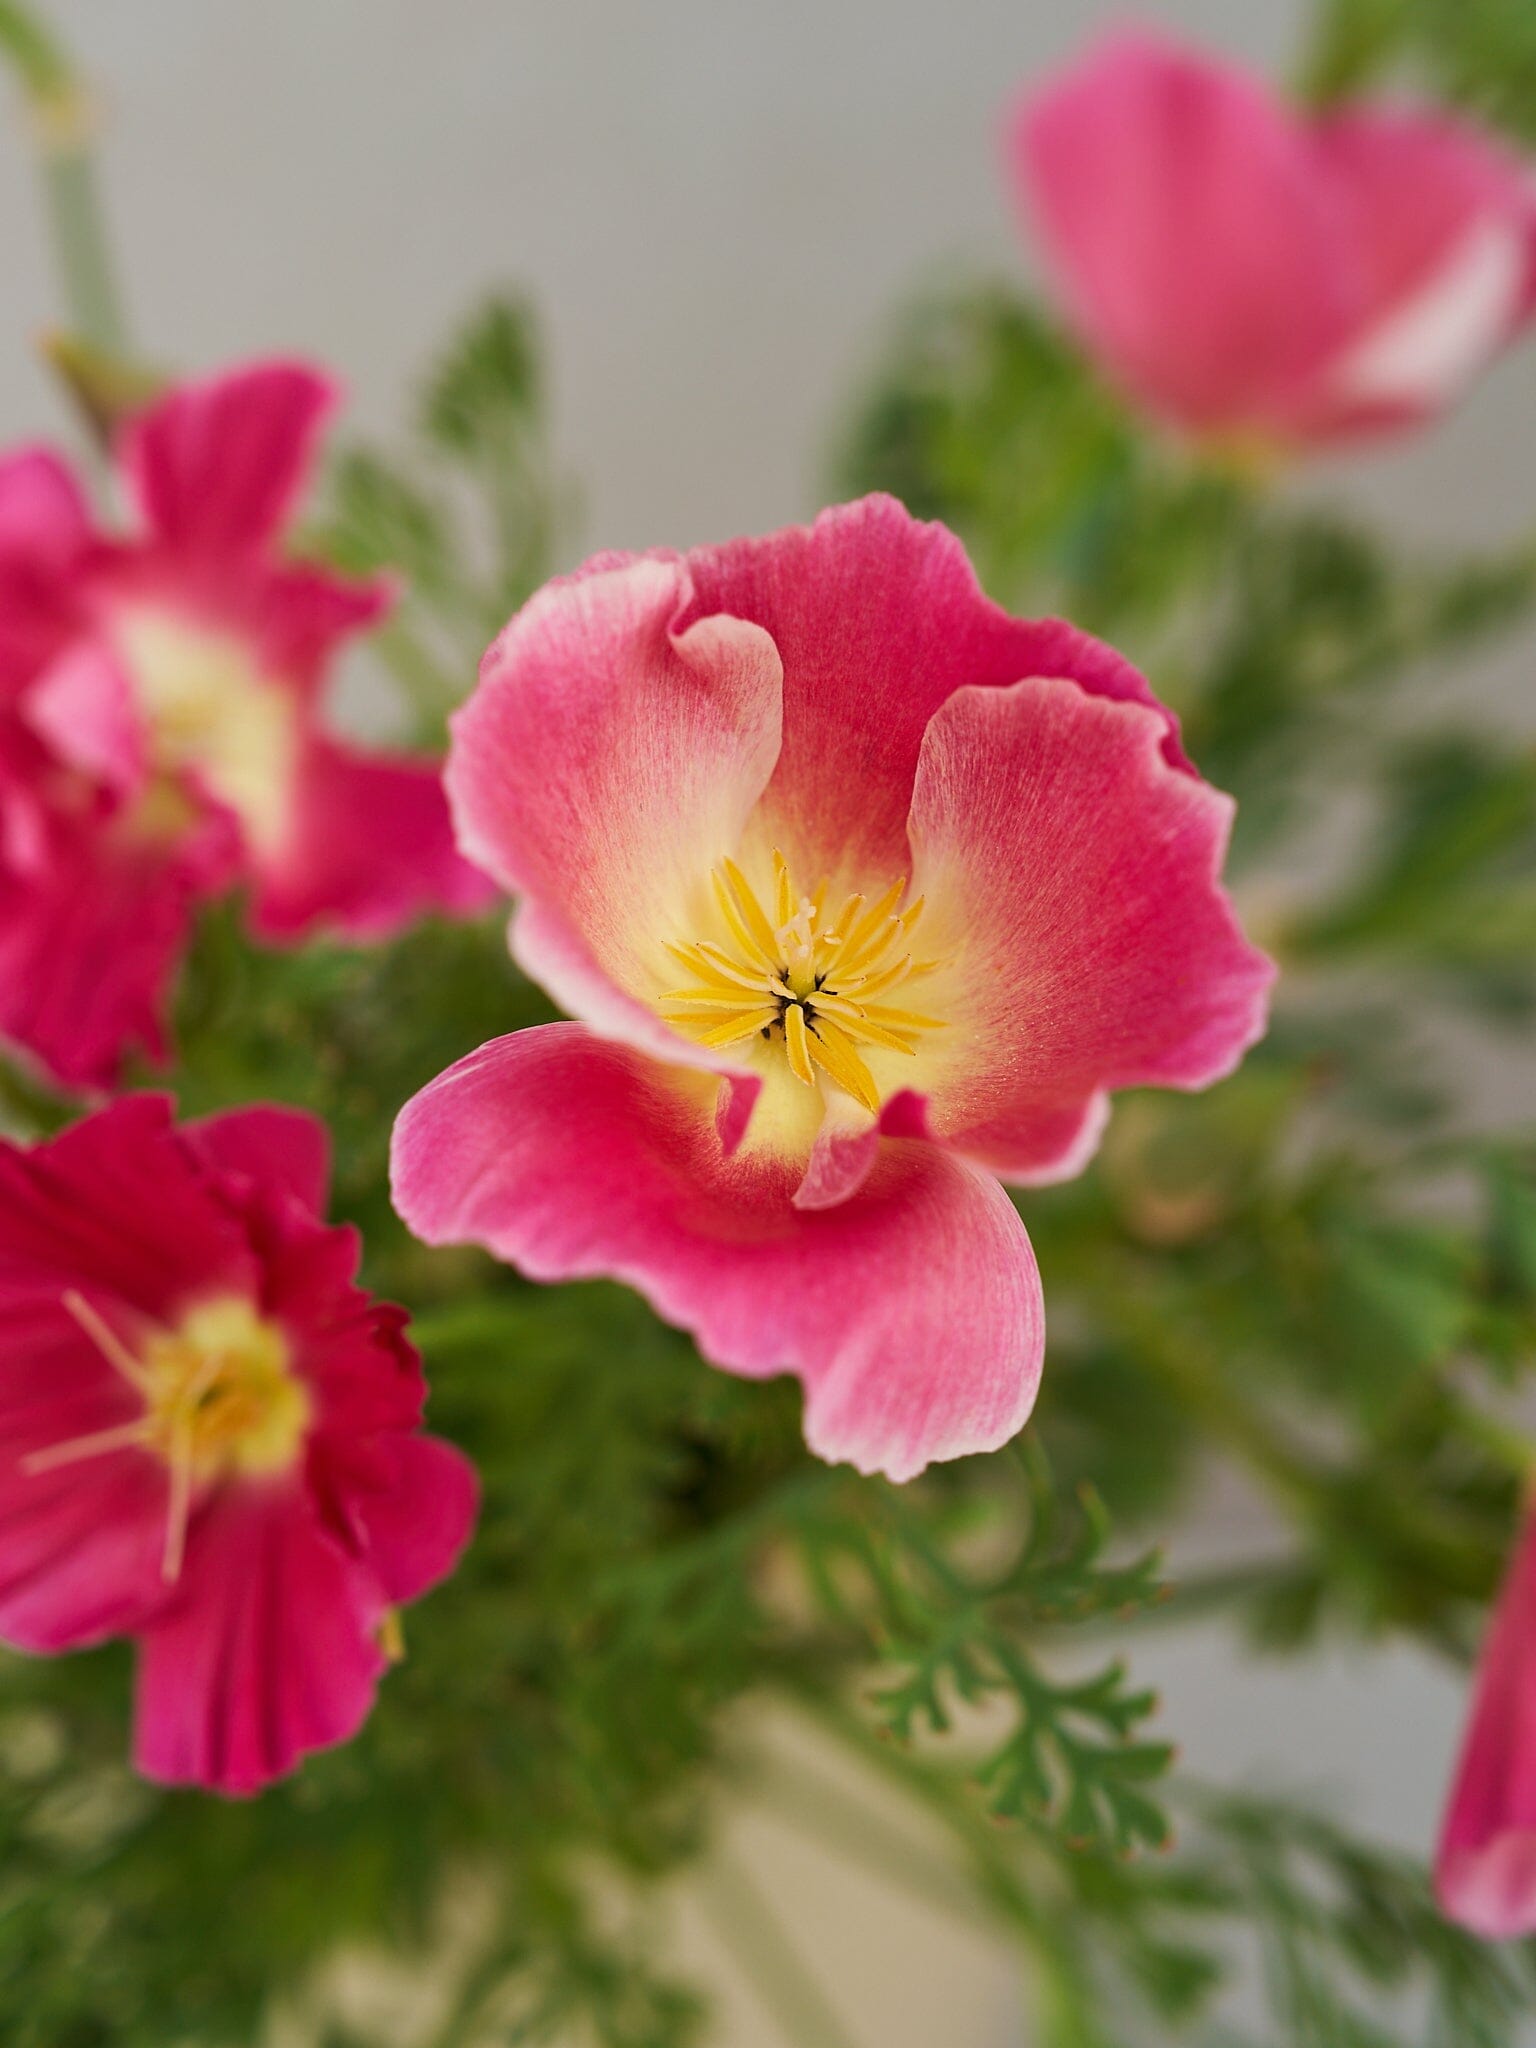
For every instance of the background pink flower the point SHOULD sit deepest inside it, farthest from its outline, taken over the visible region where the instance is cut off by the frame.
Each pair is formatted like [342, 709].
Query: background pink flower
[159, 700]
[866, 894]
[1485, 1867]
[209, 1437]
[1248, 270]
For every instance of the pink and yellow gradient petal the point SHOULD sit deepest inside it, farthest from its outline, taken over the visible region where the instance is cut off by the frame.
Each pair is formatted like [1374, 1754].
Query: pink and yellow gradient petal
[604, 766]
[877, 618]
[910, 1311]
[857, 911]
[1074, 879]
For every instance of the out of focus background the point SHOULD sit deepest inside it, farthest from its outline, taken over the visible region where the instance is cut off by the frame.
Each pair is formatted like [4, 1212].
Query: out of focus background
[715, 208]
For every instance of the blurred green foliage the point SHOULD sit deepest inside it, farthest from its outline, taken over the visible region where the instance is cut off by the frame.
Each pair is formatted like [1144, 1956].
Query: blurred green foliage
[1480, 54]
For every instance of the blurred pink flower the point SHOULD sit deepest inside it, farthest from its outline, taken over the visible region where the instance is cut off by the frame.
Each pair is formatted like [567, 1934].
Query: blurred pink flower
[865, 893]
[209, 1437]
[160, 730]
[1261, 275]
[1485, 1868]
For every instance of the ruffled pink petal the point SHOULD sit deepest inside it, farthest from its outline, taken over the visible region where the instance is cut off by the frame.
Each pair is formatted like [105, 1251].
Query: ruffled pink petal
[44, 517]
[606, 762]
[90, 941]
[268, 1652]
[269, 1146]
[116, 1208]
[215, 467]
[1444, 226]
[1074, 883]
[1191, 229]
[911, 1310]
[364, 1375]
[843, 1155]
[877, 618]
[80, 1547]
[299, 614]
[83, 706]
[410, 1504]
[81, 1544]
[1485, 1866]
[368, 850]
[29, 781]
[45, 537]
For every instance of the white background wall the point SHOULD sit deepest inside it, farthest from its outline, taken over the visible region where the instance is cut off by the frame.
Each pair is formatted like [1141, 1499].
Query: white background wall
[716, 203]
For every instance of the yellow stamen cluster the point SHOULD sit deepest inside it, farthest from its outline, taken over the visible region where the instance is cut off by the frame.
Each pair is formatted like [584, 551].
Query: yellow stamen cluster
[815, 983]
[220, 1397]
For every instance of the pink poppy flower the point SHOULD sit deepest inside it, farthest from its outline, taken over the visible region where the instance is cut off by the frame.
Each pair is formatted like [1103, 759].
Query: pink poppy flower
[1485, 1867]
[160, 728]
[209, 1437]
[865, 893]
[1254, 273]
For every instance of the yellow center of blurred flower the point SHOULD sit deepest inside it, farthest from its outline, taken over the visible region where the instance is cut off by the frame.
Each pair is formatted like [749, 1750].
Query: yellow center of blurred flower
[793, 976]
[220, 1399]
[214, 716]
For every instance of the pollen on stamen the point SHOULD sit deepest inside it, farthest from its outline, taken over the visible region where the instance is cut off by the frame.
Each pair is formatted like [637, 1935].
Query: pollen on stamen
[810, 982]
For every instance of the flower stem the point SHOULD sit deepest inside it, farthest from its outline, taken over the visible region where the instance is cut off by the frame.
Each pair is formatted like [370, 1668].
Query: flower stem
[63, 119]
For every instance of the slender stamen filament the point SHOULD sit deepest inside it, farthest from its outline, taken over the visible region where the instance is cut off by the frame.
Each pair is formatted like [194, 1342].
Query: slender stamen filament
[95, 1445]
[182, 1459]
[106, 1340]
[803, 979]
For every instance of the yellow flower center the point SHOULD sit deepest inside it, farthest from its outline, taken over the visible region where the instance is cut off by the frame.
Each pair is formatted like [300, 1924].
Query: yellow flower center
[220, 1389]
[220, 1399]
[817, 985]
[211, 712]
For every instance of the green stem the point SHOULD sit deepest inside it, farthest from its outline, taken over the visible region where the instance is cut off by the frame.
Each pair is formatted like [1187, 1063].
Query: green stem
[63, 120]
[1190, 1595]
[750, 1930]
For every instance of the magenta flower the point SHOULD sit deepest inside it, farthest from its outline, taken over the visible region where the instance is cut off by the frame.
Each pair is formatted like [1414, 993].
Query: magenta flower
[1254, 273]
[160, 729]
[1485, 1867]
[209, 1437]
[865, 894]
